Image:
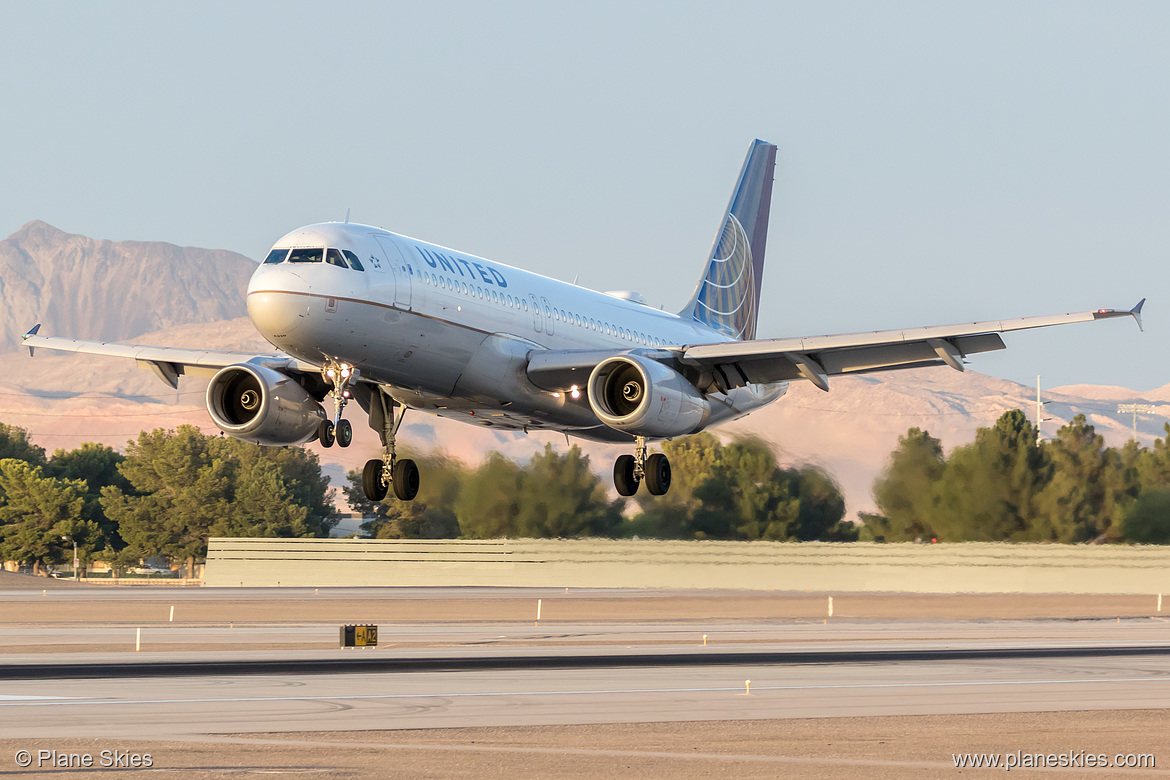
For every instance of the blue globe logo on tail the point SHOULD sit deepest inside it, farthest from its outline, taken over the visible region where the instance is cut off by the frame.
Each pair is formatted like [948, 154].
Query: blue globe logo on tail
[727, 298]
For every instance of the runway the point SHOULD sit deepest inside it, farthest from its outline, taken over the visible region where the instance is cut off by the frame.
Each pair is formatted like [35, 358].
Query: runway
[236, 687]
[167, 706]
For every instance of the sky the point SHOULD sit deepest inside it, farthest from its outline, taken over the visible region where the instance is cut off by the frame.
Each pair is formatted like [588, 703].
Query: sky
[938, 162]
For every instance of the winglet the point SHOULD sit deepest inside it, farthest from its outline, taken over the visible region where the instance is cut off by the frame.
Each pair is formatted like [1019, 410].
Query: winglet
[1136, 311]
[35, 328]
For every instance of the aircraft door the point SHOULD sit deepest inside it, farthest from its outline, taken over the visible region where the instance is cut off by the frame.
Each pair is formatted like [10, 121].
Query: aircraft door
[402, 270]
[535, 311]
[549, 319]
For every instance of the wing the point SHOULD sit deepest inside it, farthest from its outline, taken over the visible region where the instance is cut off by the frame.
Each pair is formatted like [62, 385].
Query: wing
[168, 363]
[726, 365]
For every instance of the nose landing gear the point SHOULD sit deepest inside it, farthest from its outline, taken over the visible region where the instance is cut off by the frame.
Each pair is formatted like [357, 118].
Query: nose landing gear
[339, 377]
[379, 475]
[629, 471]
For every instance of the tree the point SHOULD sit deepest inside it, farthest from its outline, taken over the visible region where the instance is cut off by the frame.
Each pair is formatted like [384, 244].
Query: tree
[190, 486]
[907, 490]
[431, 515]
[874, 528]
[489, 499]
[97, 466]
[14, 443]
[38, 511]
[1148, 519]
[183, 491]
[275, 491]
[1153, 465]
[988, 489]
[693, 460]
[747, 496]
[822, 507]
[1089, 488]
[561, 497]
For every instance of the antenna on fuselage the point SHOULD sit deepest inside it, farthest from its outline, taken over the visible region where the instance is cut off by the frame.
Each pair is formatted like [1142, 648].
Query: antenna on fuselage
[347, 216]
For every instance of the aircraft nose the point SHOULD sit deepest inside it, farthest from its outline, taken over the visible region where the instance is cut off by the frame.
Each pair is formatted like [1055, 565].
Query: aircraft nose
[273, 304]
[276, 314]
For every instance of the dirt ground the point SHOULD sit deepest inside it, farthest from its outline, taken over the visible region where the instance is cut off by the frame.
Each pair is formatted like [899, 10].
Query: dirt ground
[643, 606]
[905, 747]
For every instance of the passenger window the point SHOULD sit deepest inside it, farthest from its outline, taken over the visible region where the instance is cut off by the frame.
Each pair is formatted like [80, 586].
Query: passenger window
[354, 263]
[333, 257]
[306, 255]
[276, 256]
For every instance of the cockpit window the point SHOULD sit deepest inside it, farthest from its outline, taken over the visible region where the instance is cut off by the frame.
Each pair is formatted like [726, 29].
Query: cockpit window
[275, 256]
[333, 257]
[354, 263]
[306, 255]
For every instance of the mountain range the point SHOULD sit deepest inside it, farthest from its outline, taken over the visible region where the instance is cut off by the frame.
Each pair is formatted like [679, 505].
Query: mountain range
[156, 293]
[112, 290]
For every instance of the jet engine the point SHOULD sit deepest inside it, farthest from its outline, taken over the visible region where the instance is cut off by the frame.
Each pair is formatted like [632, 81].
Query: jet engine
[643, 397]
[262, 405]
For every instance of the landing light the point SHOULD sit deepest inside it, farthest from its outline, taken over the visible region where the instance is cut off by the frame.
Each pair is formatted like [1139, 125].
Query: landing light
[575, 392]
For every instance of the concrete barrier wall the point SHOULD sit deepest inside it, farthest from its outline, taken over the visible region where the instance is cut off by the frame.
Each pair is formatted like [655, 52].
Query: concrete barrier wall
[940, 568]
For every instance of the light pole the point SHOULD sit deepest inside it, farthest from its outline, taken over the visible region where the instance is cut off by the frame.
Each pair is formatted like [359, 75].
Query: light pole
[1135, 410]
[75, 561]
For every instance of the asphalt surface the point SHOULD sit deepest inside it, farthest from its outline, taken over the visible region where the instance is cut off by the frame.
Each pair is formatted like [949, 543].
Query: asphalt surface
[622, 694]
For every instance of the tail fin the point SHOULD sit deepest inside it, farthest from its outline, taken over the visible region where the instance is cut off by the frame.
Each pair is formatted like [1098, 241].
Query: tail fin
[728, 296]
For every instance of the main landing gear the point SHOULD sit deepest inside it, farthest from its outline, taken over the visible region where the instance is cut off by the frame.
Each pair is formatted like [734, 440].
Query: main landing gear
[631, 470]
[339, 377]
[379, 475]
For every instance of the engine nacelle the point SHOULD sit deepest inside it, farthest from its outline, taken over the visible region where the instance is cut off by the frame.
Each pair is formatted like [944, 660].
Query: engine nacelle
[643, 397]
[262, 405]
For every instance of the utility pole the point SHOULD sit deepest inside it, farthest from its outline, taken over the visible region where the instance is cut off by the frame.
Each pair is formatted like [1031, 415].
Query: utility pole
[1039, 411]
[1135, 410]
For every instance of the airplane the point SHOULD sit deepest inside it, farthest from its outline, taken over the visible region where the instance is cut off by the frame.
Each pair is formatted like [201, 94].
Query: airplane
[396, 323]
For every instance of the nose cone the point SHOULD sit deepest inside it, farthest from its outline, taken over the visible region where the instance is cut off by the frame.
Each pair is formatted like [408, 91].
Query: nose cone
[276, 314]
[274, 303]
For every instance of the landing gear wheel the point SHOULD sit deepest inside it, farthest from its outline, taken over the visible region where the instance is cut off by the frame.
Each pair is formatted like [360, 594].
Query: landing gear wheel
[406, 480]
[372, 484]
[325, 433]
[657, 474]
[623, 476]
[344, 433]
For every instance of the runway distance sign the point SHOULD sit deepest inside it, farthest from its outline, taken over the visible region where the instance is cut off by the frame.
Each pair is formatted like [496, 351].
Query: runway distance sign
[359, 636]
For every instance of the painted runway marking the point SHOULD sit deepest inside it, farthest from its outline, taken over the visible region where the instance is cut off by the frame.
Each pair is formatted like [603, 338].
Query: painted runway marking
[486, 694]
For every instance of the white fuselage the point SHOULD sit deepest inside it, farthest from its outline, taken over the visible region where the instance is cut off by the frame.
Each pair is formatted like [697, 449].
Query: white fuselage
[450, 332]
